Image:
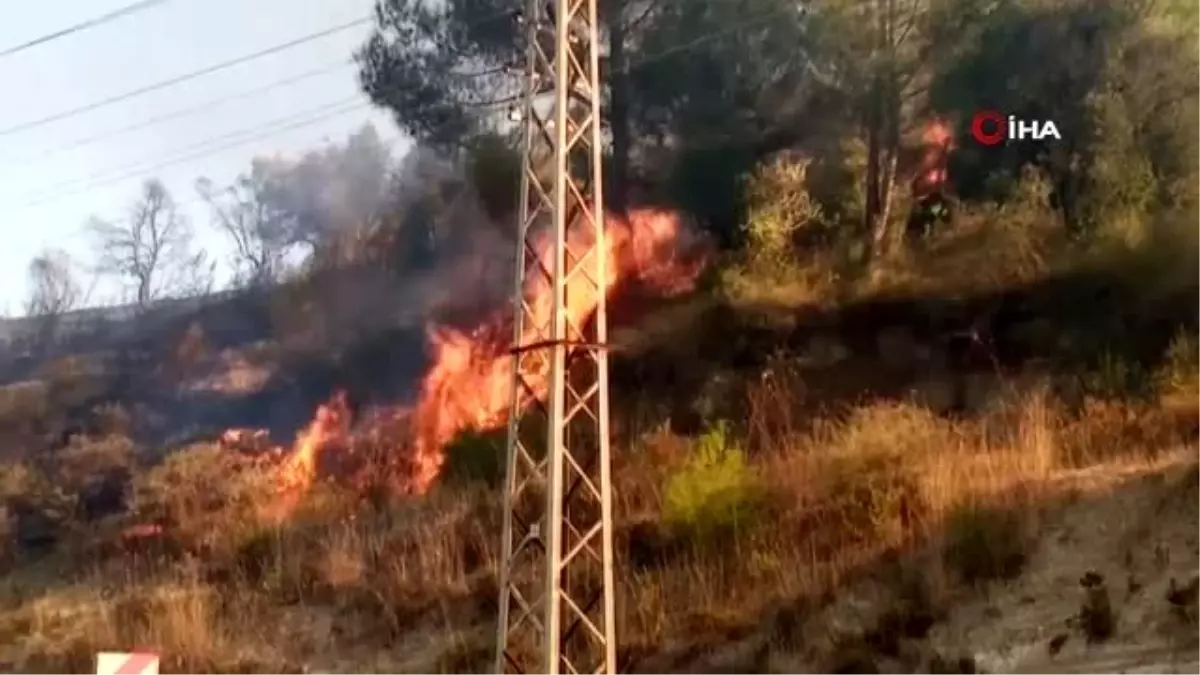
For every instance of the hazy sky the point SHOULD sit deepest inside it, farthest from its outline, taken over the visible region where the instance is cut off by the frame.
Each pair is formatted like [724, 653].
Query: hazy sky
[47, 193]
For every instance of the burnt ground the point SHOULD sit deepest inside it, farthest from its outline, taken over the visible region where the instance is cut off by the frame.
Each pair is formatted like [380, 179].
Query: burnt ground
[883, 347]
[886, 347]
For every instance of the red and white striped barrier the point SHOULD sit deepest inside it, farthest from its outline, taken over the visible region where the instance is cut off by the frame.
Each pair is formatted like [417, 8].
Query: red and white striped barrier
[124, 663]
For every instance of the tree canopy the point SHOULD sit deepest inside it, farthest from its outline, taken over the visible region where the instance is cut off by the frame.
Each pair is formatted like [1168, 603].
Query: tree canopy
[698, 93]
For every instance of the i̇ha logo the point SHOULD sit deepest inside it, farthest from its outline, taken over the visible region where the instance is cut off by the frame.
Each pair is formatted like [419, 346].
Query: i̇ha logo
[992, 128]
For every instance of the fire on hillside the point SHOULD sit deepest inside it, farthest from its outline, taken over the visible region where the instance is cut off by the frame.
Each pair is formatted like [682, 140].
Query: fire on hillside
[467, 385]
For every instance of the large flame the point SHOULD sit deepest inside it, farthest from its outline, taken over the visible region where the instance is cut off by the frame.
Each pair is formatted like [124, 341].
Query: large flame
[468, 385]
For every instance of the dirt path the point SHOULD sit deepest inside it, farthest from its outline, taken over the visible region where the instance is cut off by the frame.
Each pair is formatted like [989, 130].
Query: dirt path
[1120, 660]
[1136, 541]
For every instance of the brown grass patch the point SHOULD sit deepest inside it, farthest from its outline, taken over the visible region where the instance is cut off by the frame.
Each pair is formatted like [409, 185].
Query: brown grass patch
[830, 504]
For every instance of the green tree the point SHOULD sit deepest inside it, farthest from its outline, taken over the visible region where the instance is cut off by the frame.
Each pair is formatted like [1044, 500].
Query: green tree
[881, 53]
[1118, 79]
[708, 74]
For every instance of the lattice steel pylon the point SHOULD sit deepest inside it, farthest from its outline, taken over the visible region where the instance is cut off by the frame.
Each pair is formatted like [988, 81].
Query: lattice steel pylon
[556, 609]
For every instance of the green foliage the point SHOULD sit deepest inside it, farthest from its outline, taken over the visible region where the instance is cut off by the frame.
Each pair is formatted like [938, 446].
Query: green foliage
[784, 262]
[715, 491]
[1121, 182]
[778, 208]
[1117, 79]
[494, 167]
[834, 180]
[706, 182]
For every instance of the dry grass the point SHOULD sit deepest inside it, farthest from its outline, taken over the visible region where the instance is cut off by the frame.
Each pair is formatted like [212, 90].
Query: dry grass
[744, 531]
[814, 508]
[745, 534]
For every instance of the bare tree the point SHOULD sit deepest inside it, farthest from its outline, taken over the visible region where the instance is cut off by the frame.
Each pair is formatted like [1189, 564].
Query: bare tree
[150, 251]
[256, 228]
[54, 290]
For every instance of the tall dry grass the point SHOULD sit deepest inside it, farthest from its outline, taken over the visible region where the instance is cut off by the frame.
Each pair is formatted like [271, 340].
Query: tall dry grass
[720, 537]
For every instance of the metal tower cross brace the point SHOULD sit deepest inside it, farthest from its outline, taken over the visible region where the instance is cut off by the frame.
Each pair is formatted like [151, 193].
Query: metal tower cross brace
[556, 573]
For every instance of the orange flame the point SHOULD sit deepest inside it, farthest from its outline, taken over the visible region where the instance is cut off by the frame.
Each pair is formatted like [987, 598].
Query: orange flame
[937, 140]
[299, 469]
[468, 386]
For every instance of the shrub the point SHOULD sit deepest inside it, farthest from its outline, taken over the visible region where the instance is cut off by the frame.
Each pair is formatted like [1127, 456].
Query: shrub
[1179, 374]
[1116, 378]
[779, 208]
[1109, 428]
[872, 485]
[901, 429]
[32, 508]
[18, 480]
[22, 403]
[70, 381]
[85, 460]
[209, 499]
[986, 543]
[874, 497]
[475, 457]
[714, 491]
[781, 216]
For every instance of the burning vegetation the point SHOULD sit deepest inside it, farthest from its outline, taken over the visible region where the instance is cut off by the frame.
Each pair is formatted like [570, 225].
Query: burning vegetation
[849, 450]
[467, 386]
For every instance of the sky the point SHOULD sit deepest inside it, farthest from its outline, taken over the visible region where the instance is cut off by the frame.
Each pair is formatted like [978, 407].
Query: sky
[48, 190]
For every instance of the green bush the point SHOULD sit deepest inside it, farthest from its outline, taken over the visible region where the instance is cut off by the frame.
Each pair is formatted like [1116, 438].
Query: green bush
[782, 264]
[714, 491]
[779, 208]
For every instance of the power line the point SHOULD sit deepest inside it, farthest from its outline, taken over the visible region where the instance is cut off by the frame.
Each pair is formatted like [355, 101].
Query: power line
[185, 112]
[182, 113]
[195, 151]
[90, 23]
[103, 179]
[141, 172]
[692, 44]
[88, 108]
[182, 78]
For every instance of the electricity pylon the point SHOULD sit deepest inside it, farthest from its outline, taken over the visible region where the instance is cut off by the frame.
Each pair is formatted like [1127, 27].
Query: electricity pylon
[556, 570]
